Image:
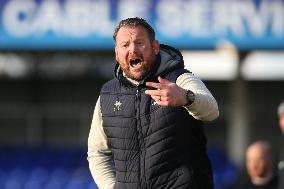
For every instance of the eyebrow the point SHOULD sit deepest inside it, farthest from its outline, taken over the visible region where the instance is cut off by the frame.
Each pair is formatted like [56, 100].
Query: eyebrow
[136, 40]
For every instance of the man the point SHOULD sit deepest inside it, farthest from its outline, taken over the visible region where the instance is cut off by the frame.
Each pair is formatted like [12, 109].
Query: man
[146, 130]
[259, 164]
[281, 157]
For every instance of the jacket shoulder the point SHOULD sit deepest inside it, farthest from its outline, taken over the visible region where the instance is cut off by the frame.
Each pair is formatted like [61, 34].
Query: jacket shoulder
[110, 86]
[173, 75]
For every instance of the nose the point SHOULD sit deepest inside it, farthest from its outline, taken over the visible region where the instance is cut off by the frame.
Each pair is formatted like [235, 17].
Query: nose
[132, 48]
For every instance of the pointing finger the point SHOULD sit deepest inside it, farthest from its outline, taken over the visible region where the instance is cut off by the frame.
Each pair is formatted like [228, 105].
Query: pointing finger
[153, 92]
[154, 85]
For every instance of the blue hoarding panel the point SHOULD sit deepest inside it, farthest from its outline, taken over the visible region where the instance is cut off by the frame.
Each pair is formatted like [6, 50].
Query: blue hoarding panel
[89, 24]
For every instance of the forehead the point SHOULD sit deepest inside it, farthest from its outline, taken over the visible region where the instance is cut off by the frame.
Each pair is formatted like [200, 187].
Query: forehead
[256, 152]
[126, 32]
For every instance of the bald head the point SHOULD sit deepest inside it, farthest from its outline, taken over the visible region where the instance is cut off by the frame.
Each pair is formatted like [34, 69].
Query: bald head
[261, 149]
[259, 160]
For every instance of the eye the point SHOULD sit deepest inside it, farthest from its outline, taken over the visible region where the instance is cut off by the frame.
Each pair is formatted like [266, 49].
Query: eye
[123, 45]
[139, 43]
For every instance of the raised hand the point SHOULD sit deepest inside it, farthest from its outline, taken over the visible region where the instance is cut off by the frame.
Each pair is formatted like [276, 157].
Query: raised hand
[167, 93]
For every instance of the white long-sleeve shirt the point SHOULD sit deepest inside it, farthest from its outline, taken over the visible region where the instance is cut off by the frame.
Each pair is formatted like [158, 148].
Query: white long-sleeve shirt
[203, 108]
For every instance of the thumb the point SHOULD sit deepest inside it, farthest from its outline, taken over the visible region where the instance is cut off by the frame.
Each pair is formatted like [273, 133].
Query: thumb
[163, 81]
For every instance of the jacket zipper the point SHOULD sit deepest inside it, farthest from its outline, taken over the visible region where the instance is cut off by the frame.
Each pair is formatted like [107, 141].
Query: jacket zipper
[140, 140]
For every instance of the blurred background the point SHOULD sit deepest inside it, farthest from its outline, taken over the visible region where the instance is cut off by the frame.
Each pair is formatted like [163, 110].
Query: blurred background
[56, 54]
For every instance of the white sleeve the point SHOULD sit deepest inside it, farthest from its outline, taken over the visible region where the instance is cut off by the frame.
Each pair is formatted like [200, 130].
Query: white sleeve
[204, 107]
[99, 154]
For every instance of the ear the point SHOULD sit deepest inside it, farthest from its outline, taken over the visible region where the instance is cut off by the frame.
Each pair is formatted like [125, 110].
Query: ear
[116, 56]
[156, 46]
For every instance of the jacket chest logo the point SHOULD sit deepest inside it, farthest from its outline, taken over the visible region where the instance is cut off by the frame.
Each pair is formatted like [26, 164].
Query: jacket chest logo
[117, 105]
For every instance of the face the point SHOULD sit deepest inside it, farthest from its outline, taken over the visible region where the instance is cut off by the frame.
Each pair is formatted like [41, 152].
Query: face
[135, 52]
[281, 123]
[257, 163]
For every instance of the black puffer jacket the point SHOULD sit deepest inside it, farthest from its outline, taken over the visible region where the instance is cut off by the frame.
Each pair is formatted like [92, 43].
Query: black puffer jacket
[153, 147]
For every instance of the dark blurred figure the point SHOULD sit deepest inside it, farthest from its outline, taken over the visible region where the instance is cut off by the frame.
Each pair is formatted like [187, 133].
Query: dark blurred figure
[259, 166]
[281, 157]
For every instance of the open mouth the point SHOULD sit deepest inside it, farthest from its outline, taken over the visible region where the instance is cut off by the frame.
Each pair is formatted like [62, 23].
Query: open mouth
[135, 62]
